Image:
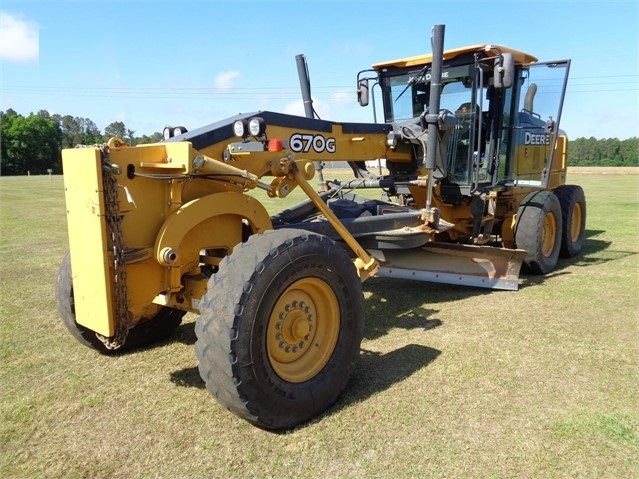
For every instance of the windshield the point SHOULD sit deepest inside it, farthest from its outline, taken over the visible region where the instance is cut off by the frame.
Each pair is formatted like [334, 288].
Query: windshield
[406, 96]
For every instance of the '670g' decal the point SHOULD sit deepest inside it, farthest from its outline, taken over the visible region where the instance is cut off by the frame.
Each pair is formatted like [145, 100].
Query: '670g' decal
[303, 143]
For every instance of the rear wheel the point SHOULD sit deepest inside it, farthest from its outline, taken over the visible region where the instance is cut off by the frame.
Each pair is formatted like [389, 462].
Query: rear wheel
[152, 330]
[538, 231]
[573, 215]
[280, 327]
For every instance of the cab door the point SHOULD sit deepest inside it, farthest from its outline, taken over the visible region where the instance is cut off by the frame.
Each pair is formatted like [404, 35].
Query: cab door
[542, 88]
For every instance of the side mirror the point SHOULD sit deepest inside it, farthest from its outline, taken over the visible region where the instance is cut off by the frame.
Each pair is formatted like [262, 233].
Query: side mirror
[504, 71]
[362, 92]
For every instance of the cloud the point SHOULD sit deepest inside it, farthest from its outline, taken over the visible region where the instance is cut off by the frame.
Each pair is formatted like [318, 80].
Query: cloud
[353, 48]
[7, 102]
[344, 97]
[297, 108]
[225, 80]
[19, 38]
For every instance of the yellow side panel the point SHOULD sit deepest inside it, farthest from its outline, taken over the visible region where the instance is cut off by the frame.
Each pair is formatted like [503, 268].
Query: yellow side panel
[92, 288]
[530, 161]
[559, 163]
[561, 154]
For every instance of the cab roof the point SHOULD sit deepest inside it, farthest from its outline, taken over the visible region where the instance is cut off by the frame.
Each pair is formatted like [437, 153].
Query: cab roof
[419, 60]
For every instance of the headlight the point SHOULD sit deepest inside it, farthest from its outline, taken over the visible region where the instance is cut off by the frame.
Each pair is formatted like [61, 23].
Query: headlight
[170, 132]
[166, 133]
[240, 128]
[257, 127]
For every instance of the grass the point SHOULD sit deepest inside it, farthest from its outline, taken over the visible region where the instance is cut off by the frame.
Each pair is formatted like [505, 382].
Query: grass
[452, 382]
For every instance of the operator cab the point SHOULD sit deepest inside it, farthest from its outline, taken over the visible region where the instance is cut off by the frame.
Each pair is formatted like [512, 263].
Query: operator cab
[489, 90]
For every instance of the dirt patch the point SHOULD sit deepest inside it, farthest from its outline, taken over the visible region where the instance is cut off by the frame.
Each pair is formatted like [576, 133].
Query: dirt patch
[604, 170]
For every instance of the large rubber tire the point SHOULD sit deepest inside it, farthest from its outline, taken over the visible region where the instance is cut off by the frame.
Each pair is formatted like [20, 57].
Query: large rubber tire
[573, 215]
[280, 327]
[152, 330]
[538, 231]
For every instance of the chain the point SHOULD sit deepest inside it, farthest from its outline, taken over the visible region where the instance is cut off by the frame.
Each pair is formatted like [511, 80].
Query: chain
[116, 245]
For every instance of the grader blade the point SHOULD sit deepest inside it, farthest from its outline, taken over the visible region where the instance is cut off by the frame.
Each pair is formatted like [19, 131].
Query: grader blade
[479, 266]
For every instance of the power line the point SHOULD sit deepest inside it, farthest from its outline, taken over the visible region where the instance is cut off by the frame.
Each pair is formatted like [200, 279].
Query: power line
[259, 90]
[167, 95]
[576, 85]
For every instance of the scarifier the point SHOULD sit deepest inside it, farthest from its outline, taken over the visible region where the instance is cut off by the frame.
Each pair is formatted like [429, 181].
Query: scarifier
[472, 166]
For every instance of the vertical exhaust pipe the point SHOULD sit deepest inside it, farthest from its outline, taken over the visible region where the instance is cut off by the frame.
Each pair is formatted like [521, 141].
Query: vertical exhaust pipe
[437, 42]
[305, 86]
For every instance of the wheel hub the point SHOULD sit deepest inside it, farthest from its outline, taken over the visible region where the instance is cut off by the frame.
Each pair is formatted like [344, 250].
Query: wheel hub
[575, 227]
[302, 330]
[293, 329]
[548, 235]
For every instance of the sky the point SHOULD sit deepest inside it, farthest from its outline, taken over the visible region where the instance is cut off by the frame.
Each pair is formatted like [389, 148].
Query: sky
[192, 63]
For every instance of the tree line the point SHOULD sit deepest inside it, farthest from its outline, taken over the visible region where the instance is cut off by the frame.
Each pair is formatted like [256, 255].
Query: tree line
[608, 152]
[31, 144]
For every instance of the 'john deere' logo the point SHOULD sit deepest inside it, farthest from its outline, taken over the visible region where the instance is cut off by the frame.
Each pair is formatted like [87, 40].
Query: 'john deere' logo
[536, 139]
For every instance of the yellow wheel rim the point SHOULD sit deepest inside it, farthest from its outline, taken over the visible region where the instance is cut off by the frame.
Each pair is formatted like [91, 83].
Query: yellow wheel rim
[548, 235]
[575, 226]
[302, 330]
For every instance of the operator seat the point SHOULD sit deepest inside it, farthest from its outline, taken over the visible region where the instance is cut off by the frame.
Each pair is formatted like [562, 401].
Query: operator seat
[464, 116]
[468, 116]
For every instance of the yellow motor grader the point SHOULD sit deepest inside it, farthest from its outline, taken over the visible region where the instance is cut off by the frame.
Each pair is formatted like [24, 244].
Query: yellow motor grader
[473, 187]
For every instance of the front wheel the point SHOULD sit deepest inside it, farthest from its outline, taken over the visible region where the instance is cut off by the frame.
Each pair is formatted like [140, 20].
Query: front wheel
[152, 330]
[538, 231]
[280, 327]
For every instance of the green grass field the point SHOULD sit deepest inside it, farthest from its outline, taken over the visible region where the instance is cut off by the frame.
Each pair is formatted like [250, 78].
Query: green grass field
[452, 382]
